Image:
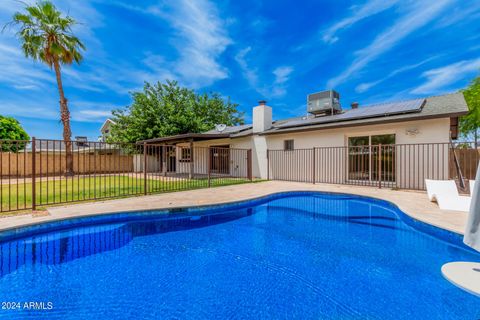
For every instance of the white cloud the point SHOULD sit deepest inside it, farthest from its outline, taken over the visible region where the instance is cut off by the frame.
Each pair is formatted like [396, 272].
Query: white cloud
[18, 71]
[444, 77]
[357, 13]
[90, 115]
[281, 74]
[418, 15]
[368, 85]
[200, 41]
[362, 87]
[468, 10]
[249, 73]
[42, 108]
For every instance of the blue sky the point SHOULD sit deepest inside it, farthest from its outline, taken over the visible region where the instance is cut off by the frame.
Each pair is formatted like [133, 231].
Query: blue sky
[370, 51]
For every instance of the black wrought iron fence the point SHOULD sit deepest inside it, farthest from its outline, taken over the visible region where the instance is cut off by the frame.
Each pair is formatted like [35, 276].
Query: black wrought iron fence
[403, 166]
[43, 172]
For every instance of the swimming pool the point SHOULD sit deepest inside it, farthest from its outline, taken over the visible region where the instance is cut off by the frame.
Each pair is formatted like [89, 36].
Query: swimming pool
[288, 255]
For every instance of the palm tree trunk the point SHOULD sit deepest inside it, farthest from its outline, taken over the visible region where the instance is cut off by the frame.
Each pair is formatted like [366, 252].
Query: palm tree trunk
[65, 118]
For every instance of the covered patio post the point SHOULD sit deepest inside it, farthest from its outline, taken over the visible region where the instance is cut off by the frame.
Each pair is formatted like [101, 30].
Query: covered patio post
[191, 172]
[164, 160]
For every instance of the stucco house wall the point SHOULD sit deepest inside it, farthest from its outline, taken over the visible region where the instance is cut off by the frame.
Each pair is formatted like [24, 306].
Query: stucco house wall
[332, 161]
[237, 158]
[430, 131]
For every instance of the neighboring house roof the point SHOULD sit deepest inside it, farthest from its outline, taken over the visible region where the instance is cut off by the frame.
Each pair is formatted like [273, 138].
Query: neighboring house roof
[77, 146]
[106, 123]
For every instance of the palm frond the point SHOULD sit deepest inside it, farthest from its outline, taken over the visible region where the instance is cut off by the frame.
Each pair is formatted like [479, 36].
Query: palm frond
[46, 34]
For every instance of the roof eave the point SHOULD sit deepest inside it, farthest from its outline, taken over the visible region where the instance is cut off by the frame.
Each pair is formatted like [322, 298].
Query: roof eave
[377, 120]
[184, 138]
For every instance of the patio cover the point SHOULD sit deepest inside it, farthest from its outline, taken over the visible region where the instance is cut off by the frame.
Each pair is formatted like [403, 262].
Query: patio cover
[187, 137]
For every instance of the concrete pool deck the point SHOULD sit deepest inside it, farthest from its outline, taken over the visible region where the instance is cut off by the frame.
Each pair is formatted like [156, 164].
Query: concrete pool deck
[413, 203]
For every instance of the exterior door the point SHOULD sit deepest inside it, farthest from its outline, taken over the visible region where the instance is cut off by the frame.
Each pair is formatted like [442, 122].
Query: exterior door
[169, 158]
[220, 159]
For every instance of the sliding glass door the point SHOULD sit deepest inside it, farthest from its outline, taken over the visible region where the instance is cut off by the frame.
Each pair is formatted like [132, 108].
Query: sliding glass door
[366, 159]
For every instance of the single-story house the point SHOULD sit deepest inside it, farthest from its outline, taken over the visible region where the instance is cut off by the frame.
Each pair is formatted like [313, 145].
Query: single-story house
[431, 120]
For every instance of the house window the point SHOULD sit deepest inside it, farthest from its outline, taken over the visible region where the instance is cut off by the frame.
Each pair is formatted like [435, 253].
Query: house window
[186, 155]
[288, 145]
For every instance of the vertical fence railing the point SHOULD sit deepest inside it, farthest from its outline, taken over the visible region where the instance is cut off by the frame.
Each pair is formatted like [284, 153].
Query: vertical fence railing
[403, 166]
[43, 172]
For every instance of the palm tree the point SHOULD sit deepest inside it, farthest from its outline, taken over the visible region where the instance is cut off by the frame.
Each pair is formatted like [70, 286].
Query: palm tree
[46, 36]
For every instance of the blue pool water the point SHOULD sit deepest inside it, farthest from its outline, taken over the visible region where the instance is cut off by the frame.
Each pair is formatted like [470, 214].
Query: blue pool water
[298, 255]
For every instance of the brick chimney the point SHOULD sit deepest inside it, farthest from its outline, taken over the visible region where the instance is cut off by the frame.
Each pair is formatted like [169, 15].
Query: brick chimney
[262, 117]
[354, 105]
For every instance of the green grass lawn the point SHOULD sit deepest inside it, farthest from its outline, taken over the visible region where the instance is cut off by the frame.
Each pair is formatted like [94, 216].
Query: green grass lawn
[19, 196]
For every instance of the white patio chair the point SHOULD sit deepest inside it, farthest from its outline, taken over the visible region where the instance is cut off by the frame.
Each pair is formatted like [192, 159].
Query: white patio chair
[456, 203]
[440, 187]
[445, 193]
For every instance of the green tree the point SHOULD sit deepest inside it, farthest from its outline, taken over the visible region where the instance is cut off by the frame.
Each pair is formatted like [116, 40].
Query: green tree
[469, 124]
[165, 109]
[46, 36]
[10, 129]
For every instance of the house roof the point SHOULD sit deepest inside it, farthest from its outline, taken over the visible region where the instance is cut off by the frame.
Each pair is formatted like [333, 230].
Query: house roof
[108, 121]
[449, 105]
[229, 132]
[186, 137]
[231, 129]
[444, 106]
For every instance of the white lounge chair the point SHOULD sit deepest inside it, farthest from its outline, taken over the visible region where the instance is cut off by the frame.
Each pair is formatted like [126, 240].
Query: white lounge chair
[440, 187]
[456, 203]
[445, 193]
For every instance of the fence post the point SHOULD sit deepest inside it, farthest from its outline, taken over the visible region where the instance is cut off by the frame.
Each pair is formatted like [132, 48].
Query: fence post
[268, 164]
[34, 150]
[249, 164]
[379, 166]
[313, 166]
[192, 168]
[145, 168]
[209, 155]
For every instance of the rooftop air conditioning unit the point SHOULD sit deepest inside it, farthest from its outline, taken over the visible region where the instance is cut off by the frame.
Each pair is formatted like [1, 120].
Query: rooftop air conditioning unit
[324, 102]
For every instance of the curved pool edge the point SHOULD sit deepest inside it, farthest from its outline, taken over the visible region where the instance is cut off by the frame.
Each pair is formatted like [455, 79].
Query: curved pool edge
[61, 223]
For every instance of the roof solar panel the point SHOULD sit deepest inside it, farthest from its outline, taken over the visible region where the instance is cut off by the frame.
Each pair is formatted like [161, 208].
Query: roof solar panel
[379, 110]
